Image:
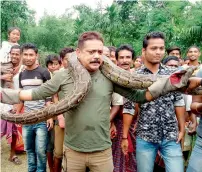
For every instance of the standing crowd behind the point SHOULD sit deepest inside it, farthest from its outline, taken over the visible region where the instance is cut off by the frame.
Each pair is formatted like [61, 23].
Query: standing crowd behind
[155, 136]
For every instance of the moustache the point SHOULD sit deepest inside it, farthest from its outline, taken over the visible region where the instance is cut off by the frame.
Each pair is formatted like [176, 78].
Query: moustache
[95, 61]
[27, 61]
[125, 64]
[14, 58]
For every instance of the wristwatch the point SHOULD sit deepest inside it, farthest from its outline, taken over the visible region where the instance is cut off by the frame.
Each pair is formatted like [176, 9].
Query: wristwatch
[124, 138]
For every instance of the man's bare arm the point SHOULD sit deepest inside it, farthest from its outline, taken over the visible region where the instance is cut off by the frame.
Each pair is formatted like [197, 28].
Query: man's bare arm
[113, 112]
[180, 111]
[196, 106]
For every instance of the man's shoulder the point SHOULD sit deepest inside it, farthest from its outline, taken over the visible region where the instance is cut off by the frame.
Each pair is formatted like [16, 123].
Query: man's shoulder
[41, 69]
[198, 71]
[5, 43]
[62, 75]
[163, 70]
[61, 72]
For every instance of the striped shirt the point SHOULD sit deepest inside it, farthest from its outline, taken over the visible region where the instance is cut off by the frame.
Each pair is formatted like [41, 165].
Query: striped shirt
[29, 79]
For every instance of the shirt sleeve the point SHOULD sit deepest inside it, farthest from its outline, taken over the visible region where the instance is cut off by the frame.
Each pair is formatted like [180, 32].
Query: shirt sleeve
[4, 51]
[50, 87]
[117, 99]
[20, 75]
[46, 75]
[187, 101]
[179, 101]
[138, 96]
[199, 73]
[129, 107]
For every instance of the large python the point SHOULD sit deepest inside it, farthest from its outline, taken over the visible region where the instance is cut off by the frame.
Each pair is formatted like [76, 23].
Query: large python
[82, 82]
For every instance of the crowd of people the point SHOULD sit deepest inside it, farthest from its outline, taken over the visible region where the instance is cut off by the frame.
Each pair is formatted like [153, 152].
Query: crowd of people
[142, 131]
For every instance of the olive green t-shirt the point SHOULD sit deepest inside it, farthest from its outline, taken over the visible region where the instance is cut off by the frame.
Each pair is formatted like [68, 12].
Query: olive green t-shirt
[87, 125]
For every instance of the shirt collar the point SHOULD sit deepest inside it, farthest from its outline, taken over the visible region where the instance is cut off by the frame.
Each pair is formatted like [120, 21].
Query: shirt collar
[144, 68]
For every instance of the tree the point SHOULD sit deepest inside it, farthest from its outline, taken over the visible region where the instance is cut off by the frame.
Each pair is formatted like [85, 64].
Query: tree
[13, 13]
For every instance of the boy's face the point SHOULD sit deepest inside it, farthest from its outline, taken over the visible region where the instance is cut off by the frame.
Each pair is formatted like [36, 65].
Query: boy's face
[175, 53]
[112, 57]
[55, 65]
[193, 54]
[14, 36]
[65, 60]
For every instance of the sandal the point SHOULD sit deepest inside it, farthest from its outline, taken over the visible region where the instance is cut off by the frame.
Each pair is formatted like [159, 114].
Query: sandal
[15, 160]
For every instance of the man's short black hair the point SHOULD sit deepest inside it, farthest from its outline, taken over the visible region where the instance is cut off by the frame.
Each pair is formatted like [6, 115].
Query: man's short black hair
[125, 47]
[172, 49]
[167, 59]
[49, 59]
[14, 47]
[112, 49]
[29, 46]
[64, 51]
[193, 46]
[152, 35]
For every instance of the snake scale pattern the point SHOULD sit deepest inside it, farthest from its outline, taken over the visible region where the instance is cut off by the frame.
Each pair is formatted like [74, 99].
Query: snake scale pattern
[82, 84]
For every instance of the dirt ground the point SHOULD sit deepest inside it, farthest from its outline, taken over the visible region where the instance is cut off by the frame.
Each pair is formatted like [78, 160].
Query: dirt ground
[7, 166]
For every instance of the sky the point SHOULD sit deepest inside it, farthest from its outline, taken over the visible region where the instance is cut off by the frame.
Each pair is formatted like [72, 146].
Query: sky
[58, 7]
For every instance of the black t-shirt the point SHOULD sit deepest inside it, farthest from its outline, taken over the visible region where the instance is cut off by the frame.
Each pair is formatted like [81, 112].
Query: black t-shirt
[29, 79]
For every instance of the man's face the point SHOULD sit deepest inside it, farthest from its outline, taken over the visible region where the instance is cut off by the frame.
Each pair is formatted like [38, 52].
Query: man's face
[155, 51]
[137, 63]
[55, 65]
[124, 59]
[193, 54]
[175, 53]
[172, 63]
[113, 57]
[15, 56]
[65, 60]
[90, 55]
[29, 57]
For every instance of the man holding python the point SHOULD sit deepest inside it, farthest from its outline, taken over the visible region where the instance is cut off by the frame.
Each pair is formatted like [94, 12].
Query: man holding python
[87, 86]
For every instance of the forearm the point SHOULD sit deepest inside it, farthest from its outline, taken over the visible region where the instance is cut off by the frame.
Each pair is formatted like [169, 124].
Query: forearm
[19, 107]
[9, 96]
[139, 96]
[25, 95]
[113, 112]
[196, 108]
[193, 118]
[127, 120]
[180, 111]
[148, 96]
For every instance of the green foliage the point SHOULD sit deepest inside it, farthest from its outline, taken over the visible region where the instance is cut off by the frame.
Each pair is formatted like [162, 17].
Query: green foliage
[122, 22]
[14, 13]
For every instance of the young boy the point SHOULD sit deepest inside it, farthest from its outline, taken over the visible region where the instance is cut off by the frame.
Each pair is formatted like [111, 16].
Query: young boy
[53, 63]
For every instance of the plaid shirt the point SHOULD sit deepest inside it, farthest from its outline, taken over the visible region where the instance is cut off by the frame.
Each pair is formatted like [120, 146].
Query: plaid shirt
[157, 119]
